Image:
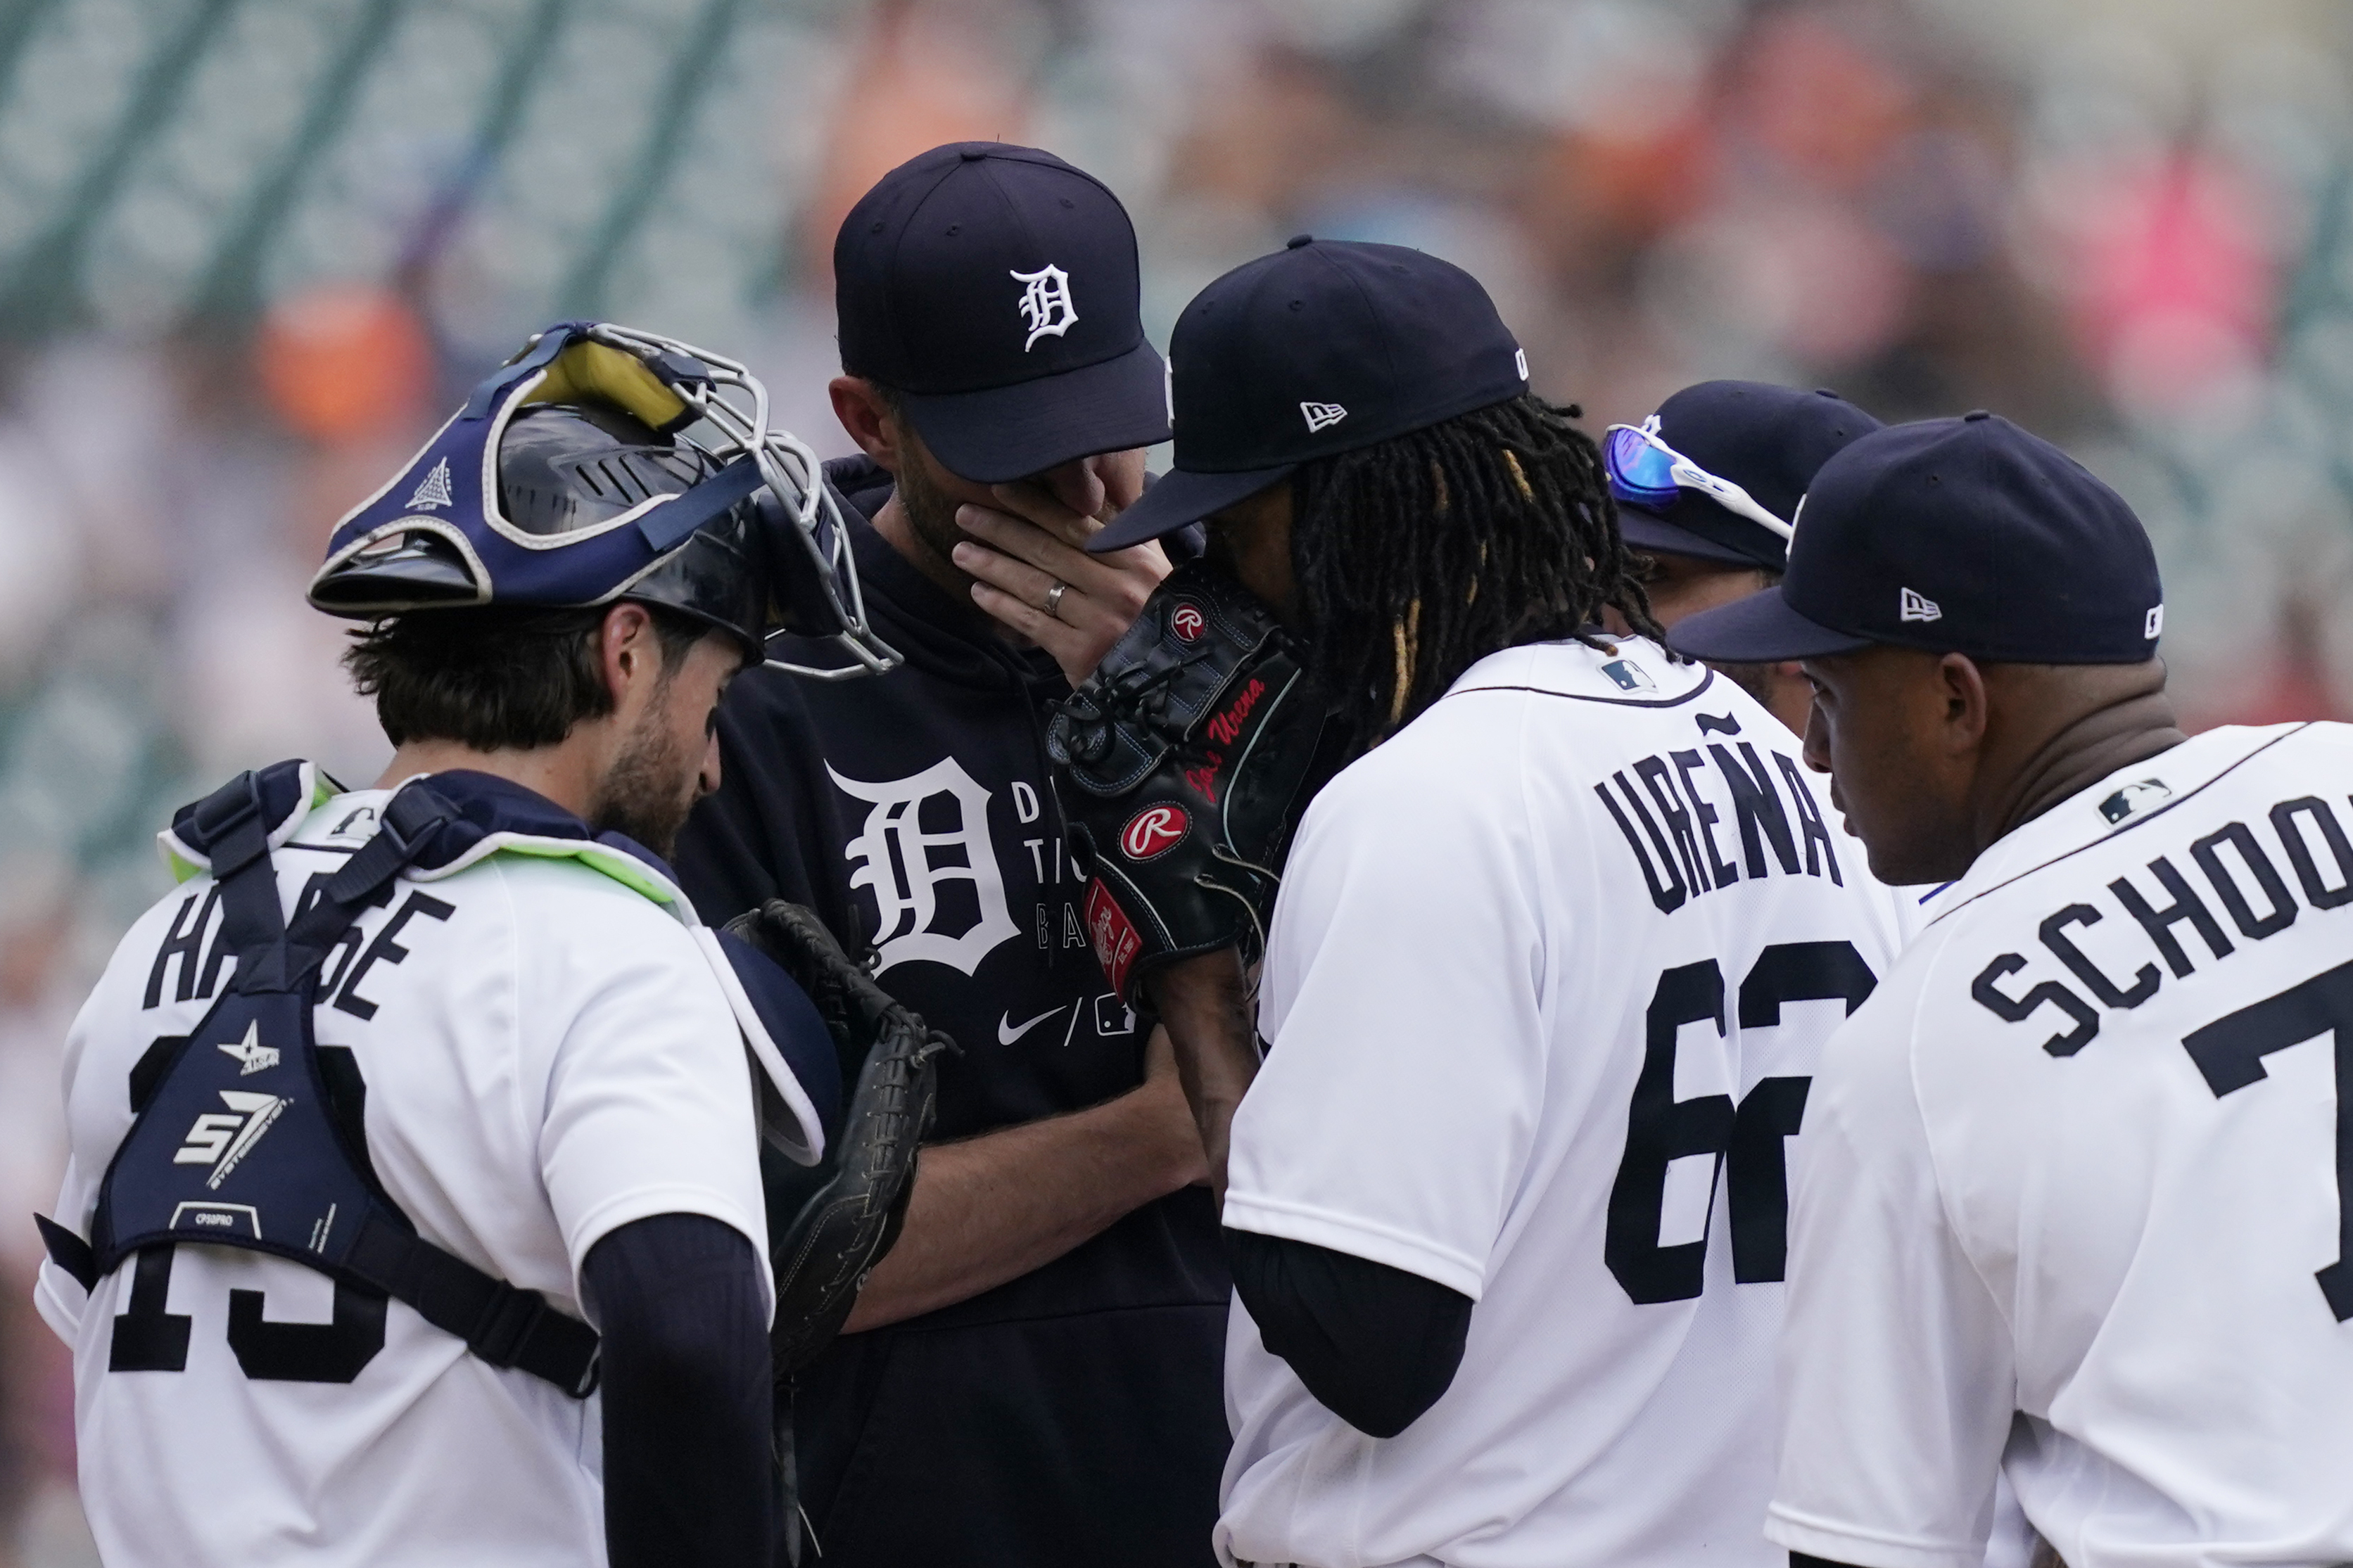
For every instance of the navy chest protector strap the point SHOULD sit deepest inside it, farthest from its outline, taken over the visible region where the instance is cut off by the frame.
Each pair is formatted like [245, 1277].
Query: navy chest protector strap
[237, 1143]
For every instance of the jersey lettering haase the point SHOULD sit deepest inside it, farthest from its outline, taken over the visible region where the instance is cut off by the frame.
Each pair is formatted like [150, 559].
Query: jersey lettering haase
[547, 1056]
[1545, 985]
[2072, 1197]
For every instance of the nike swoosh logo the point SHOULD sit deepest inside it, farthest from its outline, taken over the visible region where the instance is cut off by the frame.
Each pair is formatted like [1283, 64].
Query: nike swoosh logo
[1008, 1031]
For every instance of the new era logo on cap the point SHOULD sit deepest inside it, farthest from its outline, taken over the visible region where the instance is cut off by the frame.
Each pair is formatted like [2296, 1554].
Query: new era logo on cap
[1321, 415]
[1917, 606]
[2154, 624]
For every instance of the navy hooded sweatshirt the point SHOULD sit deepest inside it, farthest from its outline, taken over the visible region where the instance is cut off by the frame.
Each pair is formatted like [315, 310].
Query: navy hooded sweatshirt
[1074, 1415]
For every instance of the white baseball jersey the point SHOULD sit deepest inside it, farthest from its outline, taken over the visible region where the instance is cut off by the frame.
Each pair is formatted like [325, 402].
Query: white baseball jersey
[1546, 982]
[2071, 1198]
[548, 1057]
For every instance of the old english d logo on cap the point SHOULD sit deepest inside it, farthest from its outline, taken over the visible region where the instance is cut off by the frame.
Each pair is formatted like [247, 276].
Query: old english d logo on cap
[1046, 306]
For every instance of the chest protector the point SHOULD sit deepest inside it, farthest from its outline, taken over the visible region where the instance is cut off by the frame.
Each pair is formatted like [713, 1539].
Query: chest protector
[245, 1138]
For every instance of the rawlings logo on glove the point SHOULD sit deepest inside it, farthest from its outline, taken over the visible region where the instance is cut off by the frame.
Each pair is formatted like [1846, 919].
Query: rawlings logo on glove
[1182, 765]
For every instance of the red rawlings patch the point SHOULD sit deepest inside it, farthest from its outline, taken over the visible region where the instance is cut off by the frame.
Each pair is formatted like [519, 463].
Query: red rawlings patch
[1153, 831]
[1113, 935]
[1185, 621]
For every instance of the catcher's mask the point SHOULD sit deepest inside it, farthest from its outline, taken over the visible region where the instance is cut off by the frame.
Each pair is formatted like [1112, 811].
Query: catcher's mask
[570, 480]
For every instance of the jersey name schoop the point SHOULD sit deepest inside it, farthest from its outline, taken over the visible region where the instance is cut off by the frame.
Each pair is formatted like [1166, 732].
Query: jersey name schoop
[2206, 884]
[2071, 1199]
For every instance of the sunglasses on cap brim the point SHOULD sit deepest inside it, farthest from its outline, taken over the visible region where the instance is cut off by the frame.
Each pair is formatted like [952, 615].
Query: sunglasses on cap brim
[1645, 471]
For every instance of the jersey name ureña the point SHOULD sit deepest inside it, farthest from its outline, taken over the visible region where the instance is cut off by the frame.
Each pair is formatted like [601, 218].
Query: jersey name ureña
[2074, 1194]
[539, 1055]
[1545, 985]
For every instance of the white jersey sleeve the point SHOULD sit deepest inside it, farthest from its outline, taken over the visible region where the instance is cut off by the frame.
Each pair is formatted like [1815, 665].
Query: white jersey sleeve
[1877, 1280]
[649, 1089]
[1393, 1115]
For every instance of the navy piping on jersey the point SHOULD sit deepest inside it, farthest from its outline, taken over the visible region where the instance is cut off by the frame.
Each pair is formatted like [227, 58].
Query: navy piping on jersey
[2115, 833]
[1693, 693]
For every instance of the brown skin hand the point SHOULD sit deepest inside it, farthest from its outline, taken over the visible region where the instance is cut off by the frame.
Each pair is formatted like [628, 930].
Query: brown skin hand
[1682, 585]
[1932, 757]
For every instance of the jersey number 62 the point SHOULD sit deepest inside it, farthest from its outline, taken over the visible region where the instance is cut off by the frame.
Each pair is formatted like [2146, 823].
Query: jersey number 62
[1746, 1137]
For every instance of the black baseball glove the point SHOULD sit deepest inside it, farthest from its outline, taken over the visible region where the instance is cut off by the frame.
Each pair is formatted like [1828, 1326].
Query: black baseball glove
[1183, 766]
[830, 1222]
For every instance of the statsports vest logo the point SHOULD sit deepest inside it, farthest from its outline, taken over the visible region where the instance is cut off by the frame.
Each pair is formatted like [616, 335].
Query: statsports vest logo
[221, 1139]
[1153, 831]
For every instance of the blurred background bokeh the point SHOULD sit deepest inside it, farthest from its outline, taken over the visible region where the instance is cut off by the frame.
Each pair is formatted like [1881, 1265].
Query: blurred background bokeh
[250, 249]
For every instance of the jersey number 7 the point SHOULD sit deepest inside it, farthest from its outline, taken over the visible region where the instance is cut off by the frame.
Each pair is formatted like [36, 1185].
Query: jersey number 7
[1747, 1138]
[2230, 1052]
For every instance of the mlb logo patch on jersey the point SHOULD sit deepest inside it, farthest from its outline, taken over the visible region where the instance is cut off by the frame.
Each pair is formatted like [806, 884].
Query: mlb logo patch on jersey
[1629, 676]
[2143, 795]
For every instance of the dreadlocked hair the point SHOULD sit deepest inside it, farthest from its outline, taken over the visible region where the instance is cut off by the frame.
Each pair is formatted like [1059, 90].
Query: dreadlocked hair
[1421, 555]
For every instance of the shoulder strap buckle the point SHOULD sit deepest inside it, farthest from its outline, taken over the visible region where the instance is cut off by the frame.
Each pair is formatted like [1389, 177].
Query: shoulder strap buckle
[506, 1324]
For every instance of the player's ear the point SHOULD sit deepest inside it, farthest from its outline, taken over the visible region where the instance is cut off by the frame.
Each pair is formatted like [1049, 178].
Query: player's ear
[867, 418]
[627, 649]
[1961, 691]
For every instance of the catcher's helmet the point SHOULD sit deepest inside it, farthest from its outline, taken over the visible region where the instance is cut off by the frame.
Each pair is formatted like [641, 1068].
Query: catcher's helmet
[568, 479]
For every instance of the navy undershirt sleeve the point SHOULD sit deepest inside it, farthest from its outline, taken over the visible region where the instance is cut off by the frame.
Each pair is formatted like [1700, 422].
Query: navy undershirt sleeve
[689, 1476]
[1375, 1345]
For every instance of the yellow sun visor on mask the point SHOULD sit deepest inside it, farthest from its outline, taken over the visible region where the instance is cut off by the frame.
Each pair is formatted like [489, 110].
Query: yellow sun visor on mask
[592, 371]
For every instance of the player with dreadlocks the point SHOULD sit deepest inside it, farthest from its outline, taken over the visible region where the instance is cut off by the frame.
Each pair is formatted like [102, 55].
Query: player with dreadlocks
[1509, 501]
[1554, 954]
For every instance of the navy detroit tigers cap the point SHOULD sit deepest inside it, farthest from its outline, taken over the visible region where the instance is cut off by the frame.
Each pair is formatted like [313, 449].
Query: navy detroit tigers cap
[994, 288]
[1324, 347]
[1963, 535]
[1769, 440]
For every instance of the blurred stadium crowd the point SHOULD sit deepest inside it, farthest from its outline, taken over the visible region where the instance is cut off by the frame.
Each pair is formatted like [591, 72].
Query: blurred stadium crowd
[250, 249]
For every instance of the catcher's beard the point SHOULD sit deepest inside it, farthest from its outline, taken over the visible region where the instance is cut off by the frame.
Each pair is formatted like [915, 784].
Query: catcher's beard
[650, 787]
